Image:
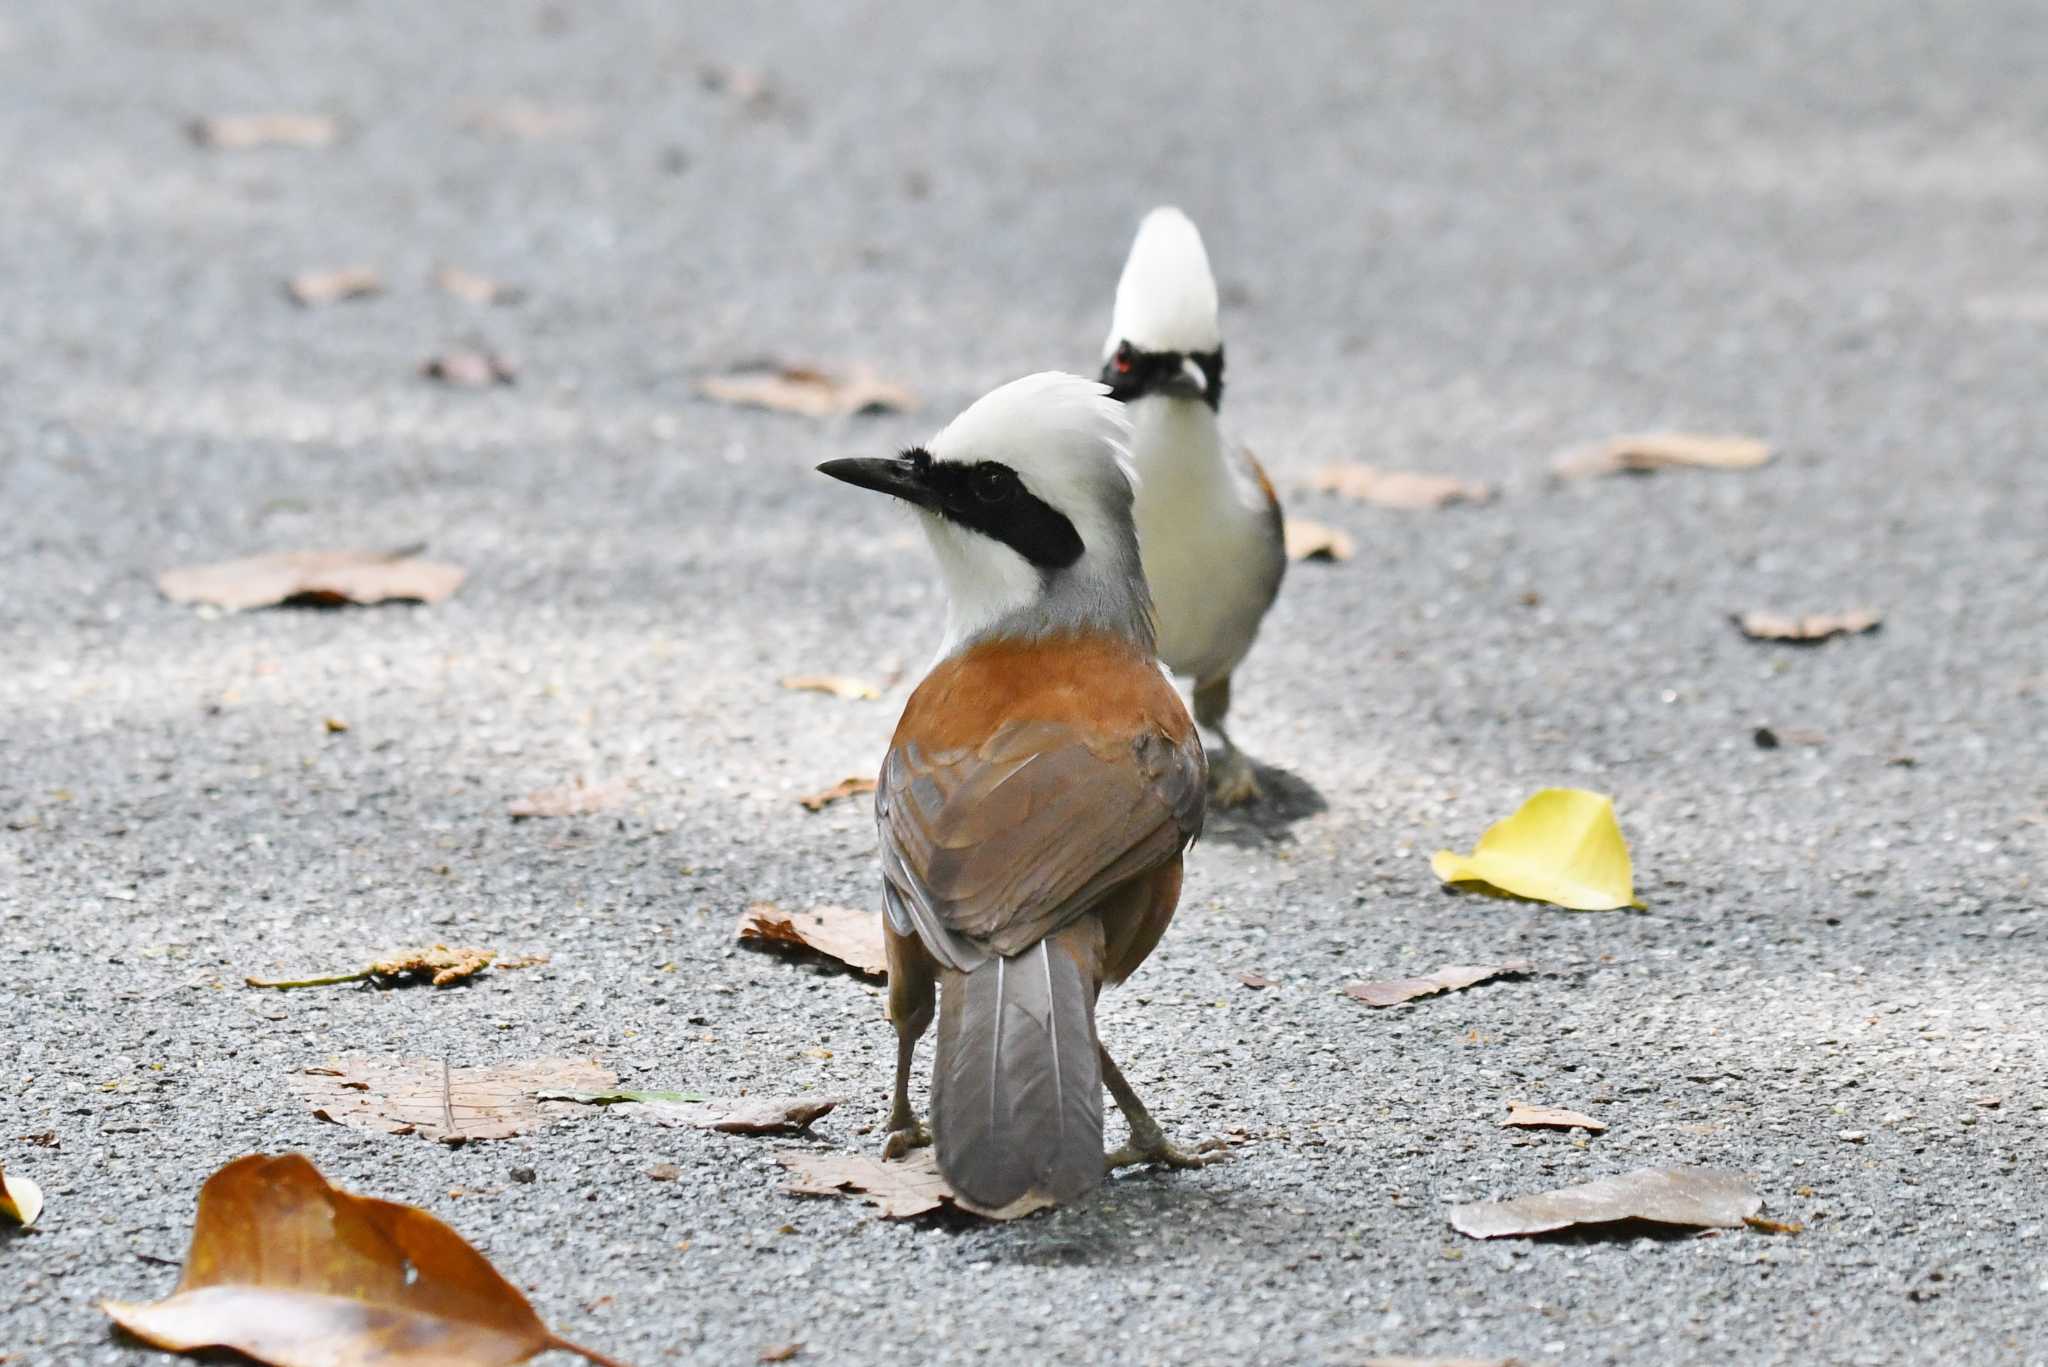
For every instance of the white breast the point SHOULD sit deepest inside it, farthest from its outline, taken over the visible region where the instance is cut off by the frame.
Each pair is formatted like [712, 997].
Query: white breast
[1206, 533]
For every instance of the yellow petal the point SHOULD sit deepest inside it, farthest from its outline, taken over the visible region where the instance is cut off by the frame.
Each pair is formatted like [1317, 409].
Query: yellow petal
[1563, 847]
[20, 1199]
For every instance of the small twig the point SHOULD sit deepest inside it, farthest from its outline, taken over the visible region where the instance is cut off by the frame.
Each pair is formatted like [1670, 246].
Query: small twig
[328, 980]
[447, 1109]
[588, 1354]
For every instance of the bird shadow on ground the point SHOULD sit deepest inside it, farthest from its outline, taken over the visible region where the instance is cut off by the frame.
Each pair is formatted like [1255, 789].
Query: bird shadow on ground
[1285, 798]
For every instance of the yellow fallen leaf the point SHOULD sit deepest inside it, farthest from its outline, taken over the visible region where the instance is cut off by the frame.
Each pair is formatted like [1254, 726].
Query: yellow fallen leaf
[1563, 847]
[20, 1199]
[1307, 540]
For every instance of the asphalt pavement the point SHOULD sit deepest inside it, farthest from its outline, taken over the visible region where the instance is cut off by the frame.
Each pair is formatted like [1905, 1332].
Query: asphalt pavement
[1457, 238]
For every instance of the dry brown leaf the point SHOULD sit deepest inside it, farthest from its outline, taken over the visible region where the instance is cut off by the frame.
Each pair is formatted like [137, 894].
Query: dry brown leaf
[470, 369]
[1441, 1362]
[314, 289]
[20, 1199]
[809, 392]
[845, 788]
[474, 288]
[569, 799]
[1807, 630]
[852, 936]
[1255, 980]
[440, 964]
[454, 1105]
[781, 1352]
[900, 1188]
[1449, 978]
[1770, 738]
[837, 685]
[312, 579]
[664, 1172]
[528, 122]
[1308, 540]
[756, 1115]
[1408, 490]
[239, 132]
[1698, 1198]
[1659, 451]
[297, 1273]
[1525, 1116]
[1760, 1224]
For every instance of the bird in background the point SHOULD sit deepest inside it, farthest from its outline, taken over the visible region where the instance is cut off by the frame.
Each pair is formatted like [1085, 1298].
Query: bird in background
[1036, 798]
[1209, 523]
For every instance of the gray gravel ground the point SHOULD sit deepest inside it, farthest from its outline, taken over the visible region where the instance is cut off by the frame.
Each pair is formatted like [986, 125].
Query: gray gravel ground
[1454, 237]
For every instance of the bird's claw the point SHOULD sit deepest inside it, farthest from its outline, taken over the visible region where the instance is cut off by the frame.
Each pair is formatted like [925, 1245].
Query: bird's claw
[1233, 781]
[900, 1142]
[1168, 1155]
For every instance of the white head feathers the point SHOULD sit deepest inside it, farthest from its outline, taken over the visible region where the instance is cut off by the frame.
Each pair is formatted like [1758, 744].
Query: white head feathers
[1166, 300]
[1068, 443]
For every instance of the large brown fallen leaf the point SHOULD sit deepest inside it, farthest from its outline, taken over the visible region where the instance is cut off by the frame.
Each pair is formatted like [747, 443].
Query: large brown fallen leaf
[1524, 1116]
[292, 1271]
[239, 132]
[1698, 1198]
[1449, 978]
[1807, 630]
[1308, 540]
[845, 788]
[1405, 489]
[312, 579]
[837, 685]
[808, 392]
[454, 1105]
[440, 965]
[314, 289]
[783, 1115]
[578, 798]
[1648, 451]
[900, 1188]
[476, 289]
[848, 934]
[20, 1199]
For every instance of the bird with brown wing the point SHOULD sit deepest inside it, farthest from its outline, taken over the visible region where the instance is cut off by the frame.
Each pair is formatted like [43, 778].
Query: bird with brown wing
[1036, 799]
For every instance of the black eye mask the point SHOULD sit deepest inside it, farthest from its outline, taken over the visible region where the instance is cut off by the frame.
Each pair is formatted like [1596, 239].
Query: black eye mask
[1133, 374]
[989, 498]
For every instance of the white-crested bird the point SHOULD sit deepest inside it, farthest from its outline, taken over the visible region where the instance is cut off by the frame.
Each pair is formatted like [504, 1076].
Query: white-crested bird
[1037, 795]
[1208, 520]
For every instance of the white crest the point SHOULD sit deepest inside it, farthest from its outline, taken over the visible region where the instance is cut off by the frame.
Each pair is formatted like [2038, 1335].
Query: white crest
[1166, 300]
[1068, 441]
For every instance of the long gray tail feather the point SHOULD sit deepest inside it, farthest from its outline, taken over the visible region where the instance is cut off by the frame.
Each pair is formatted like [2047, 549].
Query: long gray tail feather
[1017, 1090]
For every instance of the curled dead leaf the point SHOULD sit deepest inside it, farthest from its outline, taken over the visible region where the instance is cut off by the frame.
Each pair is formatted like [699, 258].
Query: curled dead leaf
[1308, 540]
[899, 1188]
[1644, 452]
[577, 798]
[315, 289]
[1404, 489]
[1807, 630]
[454, 1105]
[1524, 1116]
[781, 1352]
[470, 369]
[240, 132]
[1449, 978]
[848, 934]
[754, 1115]
[845, 788]
[293, 1271]
[1770, 737]
[1699, 1198]
[1763, 1226]
[808, 392]
[439, 964]
[1257, 981]
[20, 1199]
[836, 685]
[476, 289]
[312, 579]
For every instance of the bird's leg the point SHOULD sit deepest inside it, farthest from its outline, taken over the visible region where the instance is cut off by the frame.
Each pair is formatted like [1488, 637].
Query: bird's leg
[1148, 1142]
[1232, 779]
[910, 1011]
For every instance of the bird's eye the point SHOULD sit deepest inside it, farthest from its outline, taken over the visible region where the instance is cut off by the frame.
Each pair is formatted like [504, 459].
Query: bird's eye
[1122, 362]
[994, 486]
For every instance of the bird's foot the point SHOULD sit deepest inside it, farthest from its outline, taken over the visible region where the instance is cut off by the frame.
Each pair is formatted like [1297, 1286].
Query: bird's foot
[902, 1140]
[1167, 1155]
[1233, 781]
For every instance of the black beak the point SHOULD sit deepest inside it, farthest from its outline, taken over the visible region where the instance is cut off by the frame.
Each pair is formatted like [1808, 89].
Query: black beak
[1189, 381]
[899, 478]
